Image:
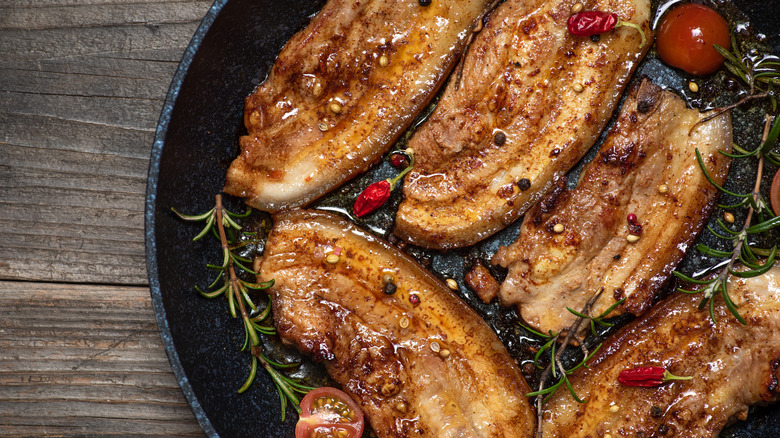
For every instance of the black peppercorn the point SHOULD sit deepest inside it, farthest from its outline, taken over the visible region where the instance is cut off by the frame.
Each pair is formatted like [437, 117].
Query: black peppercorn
[425, 2]
[524, 184]
[499, 138]
[390, 288]
[595, 38]
[655, 411]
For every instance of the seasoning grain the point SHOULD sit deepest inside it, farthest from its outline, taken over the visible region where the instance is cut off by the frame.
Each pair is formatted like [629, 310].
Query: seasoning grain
[332, 259]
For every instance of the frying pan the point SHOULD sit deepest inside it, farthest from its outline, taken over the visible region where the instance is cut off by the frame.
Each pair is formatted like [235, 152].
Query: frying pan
[196, 139]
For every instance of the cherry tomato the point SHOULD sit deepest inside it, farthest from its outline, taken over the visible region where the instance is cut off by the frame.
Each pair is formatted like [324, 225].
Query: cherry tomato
[686, 35]
[774, 193]
[328, 412]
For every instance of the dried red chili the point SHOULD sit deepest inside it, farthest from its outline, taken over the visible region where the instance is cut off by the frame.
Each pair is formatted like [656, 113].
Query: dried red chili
[375, 195]
[647, 377]
[587, 23]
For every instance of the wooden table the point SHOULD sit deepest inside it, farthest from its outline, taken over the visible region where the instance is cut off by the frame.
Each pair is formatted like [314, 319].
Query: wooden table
[82, 83]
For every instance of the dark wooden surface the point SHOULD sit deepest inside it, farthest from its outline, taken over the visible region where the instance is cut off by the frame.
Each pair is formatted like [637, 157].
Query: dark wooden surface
[82, 83]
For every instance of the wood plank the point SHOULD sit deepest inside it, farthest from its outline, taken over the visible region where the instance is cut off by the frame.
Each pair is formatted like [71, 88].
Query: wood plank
[85, 360]
[81, 88]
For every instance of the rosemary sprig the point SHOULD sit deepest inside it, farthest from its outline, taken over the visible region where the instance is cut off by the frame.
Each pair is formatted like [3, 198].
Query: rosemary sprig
[743, 251]
[760, 73]
[597, 320]
[223, 224]
[556, 369]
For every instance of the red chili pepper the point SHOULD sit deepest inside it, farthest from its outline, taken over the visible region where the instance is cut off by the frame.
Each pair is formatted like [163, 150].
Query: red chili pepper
[647, 377]
[587, 23]
[375, 195]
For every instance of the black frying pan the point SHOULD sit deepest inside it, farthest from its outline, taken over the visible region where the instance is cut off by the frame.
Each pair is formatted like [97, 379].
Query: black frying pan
[196, 140]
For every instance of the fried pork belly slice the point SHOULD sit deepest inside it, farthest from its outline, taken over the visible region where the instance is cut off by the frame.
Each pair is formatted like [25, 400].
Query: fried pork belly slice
[431, 369]
[341, 92]
[733, 367]
[516, 120]
[647, 151]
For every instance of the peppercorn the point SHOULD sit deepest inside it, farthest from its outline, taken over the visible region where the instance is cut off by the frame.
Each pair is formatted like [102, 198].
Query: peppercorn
[390, 288]
[524, 184]
[425, 2]
[414, 299]
[499, 138]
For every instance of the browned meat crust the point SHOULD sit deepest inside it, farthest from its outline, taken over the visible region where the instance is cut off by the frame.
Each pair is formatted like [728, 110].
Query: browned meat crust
[431, 369]
[482, 282]
[340, 93]
[648, 148]
[733, 366]
[532, 100]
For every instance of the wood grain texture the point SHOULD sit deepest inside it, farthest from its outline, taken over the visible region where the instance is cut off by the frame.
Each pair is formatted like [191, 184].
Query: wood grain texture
[82, 83]
[81, 360]
[81, 88]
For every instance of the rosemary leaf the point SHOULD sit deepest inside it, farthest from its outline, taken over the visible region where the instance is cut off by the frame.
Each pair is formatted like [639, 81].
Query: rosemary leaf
[251, 378]
[709, 178]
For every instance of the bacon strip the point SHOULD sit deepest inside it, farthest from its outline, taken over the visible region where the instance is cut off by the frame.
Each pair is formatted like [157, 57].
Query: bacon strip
[431, 369]
[531, 101]
[648, 149]
[341, 91]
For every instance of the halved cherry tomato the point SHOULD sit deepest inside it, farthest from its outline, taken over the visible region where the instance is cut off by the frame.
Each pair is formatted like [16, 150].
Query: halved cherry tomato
[774, 193]
[329, 413]
[686, 35]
